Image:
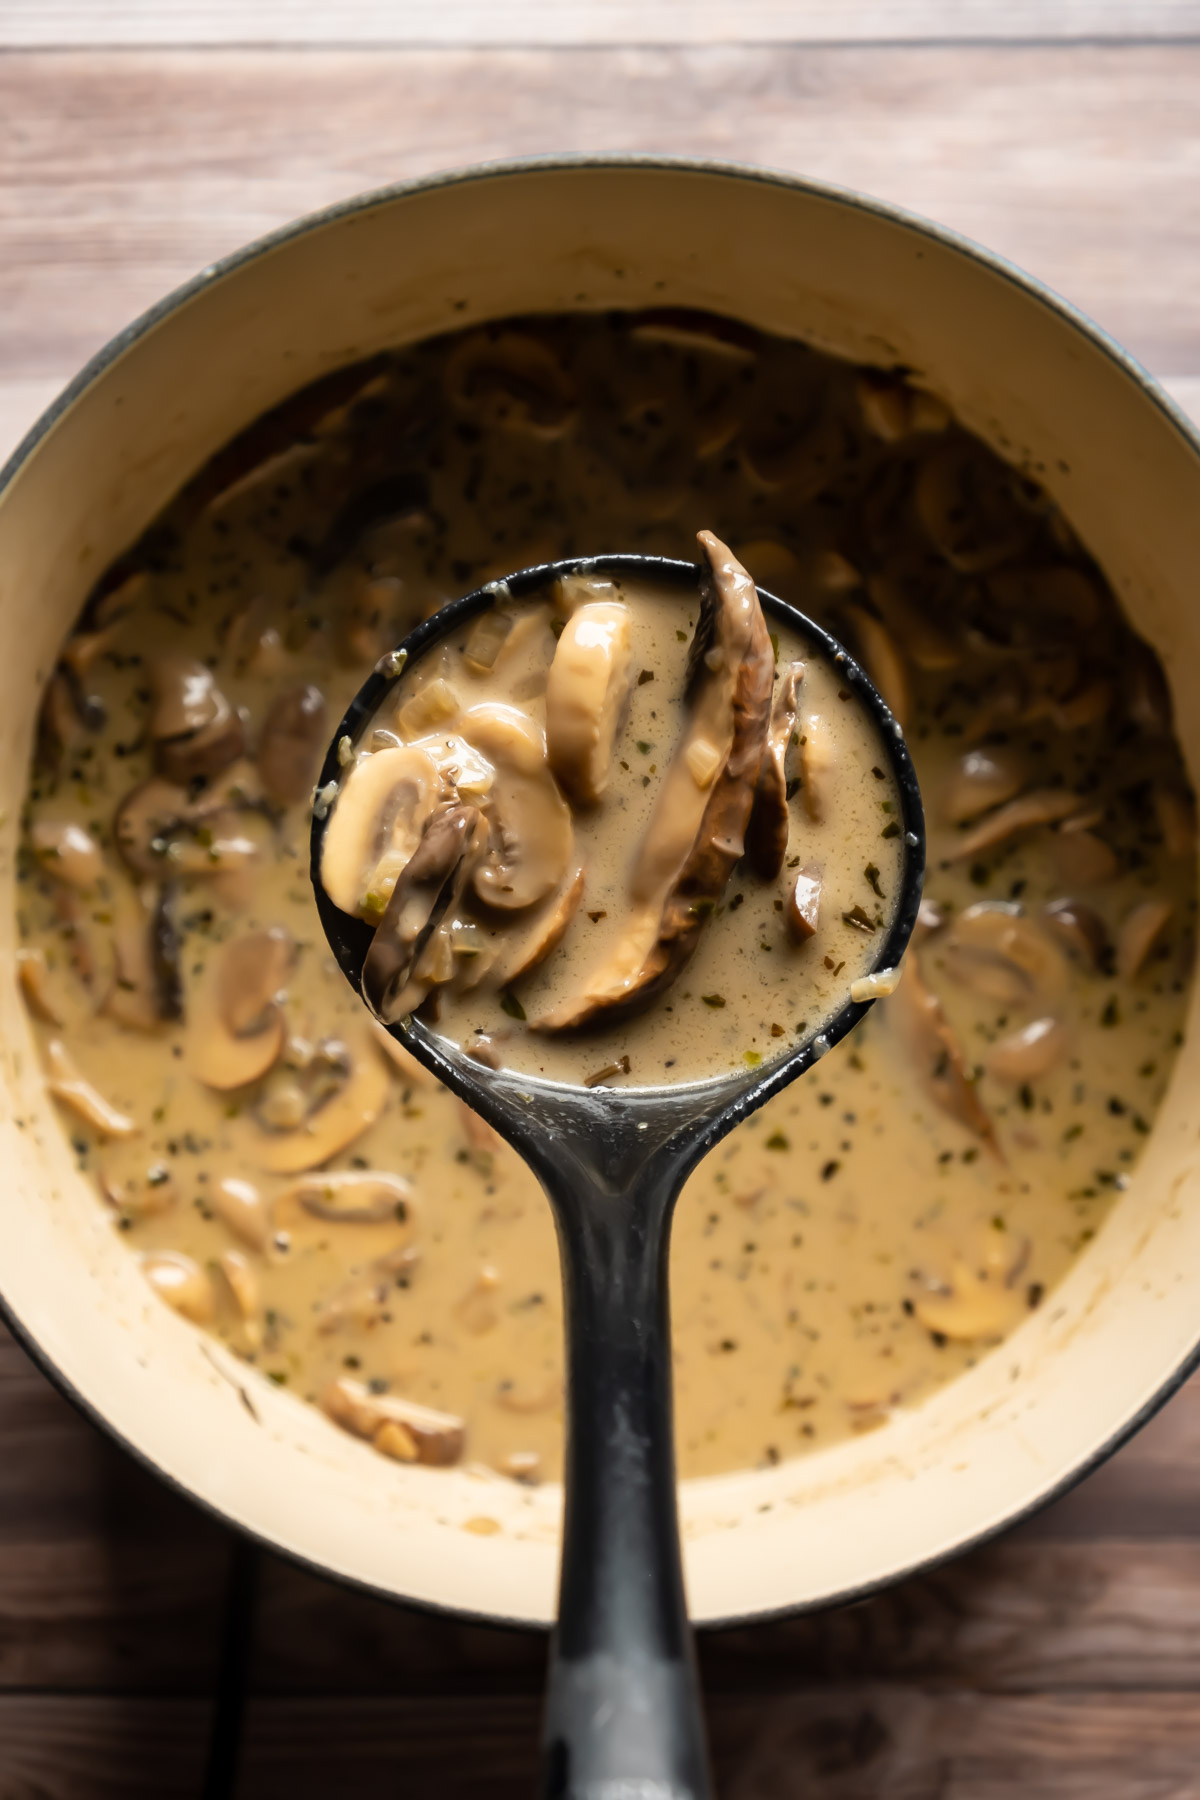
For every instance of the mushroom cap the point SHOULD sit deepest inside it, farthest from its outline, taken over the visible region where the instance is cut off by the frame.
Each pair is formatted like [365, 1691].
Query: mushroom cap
[382, 808]
[291, 744]
[999, 951]
[586, 692]
[426, 890]
[530, 831]
[238, 1026]
[336, 1122]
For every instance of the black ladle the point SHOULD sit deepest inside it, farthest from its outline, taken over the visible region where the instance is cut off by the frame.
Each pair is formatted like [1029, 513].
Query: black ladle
[623, 1713]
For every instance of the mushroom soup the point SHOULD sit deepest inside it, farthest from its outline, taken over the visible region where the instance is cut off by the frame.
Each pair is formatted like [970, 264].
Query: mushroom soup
[295, 1184]
[542, 817]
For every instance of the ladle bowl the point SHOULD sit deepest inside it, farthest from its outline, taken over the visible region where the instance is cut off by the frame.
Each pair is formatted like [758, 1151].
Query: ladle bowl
[622, 1711]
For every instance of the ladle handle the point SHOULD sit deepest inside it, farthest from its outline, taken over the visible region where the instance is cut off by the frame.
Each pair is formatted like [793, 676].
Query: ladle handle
[623, 1714]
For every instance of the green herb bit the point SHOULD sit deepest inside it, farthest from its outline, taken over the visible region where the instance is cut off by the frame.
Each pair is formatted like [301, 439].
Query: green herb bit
[713, 999]
[752, 1058]
[872, 875]
[1112, 1013]
[891, 831]
[682, 636]
[643, 747]
[860, 920]
[777, 1141]
[645, 676]
[511, 1005]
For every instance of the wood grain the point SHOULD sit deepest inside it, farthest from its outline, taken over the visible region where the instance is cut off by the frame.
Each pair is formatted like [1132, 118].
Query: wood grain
[125, 173]
[506, 22]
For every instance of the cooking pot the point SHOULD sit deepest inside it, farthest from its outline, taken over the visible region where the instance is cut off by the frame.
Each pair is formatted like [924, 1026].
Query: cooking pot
[1022, 369]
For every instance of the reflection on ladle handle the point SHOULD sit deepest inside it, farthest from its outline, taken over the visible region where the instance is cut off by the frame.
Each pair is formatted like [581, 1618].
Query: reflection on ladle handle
[623, 1712]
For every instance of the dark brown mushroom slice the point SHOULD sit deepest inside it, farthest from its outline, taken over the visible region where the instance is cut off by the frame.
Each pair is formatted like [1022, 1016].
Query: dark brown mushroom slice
[1081, 929]
[165, 946]
[147, 989]
[196, 732]
[696, 833]
[424, 890]
[67, 714]
[767, 832]
[291, 745]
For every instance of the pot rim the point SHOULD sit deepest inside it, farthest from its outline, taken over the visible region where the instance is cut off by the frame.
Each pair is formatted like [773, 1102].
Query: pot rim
[558, 163]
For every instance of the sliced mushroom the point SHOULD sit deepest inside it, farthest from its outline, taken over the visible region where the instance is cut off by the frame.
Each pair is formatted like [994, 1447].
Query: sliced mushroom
[74, 1091]
[239, 1028]
[933, 1046]
[1176, 814]
[971, 505]
[998, 951]
[196, 732]
[1080, 929]
[1081, 859]
[512, 381]
[147, 989]
[529, 823]
[696, 834]
[383, 806]
[804, 904]
[33, 976]
[436, 1436]
[241, 1280]
[336, 1114]
[344, 1197]
[239, 1205]
[143, 1196]
[291, 745]
[1139, 933]
[1029, 1053]
[883, 660]
[426, 891]
[586, 693]
[182, 1283]
[67, 851]
[66, 716]
[161, 831]
[980, 780]
[522, 952]
[770, 820]
[1041, 806]
[818, 761]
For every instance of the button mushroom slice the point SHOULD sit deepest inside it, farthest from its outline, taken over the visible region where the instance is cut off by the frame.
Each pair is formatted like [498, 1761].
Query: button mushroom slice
[66, 716]
[696, 833]
[182, 1283]
[425, 894]
[291, 744]
[241, 1280]
[511, 380]
[161, 831]
[1030, 1052]
[147, 988]
[382, 809]
[196, 732]
[33, 978]
[336, 1119]
[238, 1027]
[67, 851]
[1041, 806]
[981, 779]
[998, 951]
[932, 1044]
[884, 661]
[818, 761]
[466, 774]
[240, 1206]
[437, 1436]
[87, 1103]
[1080, 930]
[529, 823]
[145, 1195]
[586, 693]
[343, 1197]
[804, 904]
[1140, 931]
[767, 831]
[525, 948]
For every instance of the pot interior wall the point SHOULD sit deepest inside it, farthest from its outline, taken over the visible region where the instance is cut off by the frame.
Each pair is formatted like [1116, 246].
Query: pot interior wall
[559, 236]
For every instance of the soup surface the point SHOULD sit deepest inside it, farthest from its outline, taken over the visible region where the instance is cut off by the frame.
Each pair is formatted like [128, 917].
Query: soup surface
[587, 794]
[297, 1186]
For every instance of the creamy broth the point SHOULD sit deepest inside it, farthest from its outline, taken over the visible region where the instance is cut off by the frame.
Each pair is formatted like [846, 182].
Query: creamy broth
[763, 975]
[874, 1230]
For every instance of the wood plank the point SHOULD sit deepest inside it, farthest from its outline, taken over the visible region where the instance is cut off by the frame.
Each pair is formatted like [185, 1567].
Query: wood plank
[843, 1743]
[126, 173]
[101, 1748]
[586, 22]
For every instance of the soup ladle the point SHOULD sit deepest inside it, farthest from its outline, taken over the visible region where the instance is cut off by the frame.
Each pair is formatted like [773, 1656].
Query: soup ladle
[622, 1718]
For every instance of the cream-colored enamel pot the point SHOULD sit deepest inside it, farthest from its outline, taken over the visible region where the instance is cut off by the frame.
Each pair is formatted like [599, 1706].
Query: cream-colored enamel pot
[1021, 368]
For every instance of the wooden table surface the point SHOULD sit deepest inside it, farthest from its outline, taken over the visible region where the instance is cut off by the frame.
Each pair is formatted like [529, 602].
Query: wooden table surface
[137, 142]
